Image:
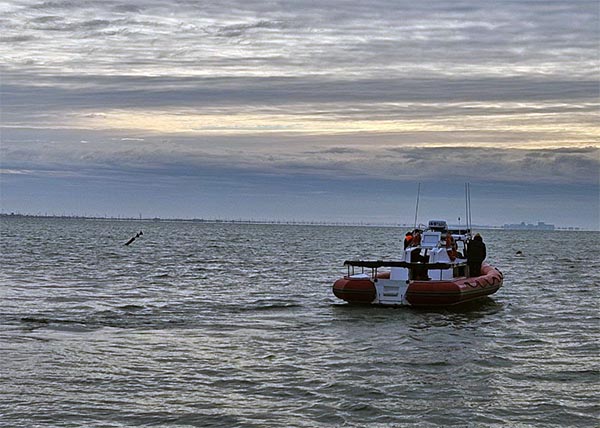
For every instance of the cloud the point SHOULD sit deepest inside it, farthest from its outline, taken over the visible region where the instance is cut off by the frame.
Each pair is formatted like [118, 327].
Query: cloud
[377, 39]
[239, 30]
[286, 156]
[126, 91]
[388, 90]
[503, 165]
[359, 61]
[524, 111]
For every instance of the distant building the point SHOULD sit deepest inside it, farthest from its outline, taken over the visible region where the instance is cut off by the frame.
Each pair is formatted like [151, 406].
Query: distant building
[528, 226]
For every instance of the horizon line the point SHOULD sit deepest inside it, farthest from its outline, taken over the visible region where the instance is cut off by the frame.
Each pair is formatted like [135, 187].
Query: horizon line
[287, 222]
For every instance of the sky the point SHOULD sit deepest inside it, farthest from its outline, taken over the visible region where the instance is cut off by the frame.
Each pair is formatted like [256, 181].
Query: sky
[302, 110]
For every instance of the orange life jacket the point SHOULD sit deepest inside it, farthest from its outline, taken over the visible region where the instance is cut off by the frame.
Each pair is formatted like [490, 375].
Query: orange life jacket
[450, 247]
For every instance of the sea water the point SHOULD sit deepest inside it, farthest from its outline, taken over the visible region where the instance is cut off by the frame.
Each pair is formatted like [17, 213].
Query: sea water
[235, 325]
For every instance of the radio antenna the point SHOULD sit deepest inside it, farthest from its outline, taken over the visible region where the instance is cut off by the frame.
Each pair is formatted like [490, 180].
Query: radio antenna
[417, 207]
[469, 204]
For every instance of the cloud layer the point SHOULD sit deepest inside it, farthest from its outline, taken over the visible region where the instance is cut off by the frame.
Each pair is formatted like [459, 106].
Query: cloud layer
[393, 91]
[304, 38]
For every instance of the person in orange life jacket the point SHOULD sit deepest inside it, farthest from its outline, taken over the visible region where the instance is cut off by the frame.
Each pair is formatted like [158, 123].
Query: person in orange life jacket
[419, 273]
[415, 242]
[451, 246]
[476, 254]
[407, 239]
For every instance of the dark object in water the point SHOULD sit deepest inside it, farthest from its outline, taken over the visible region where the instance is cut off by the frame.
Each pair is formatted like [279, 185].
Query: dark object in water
[519, 253]
[137, 235]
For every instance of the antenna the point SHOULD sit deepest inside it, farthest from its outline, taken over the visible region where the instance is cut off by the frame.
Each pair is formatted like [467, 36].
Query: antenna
[469, 204]
[417, 207]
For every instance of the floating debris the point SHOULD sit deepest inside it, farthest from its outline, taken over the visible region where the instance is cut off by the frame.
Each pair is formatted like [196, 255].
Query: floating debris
[137, 235]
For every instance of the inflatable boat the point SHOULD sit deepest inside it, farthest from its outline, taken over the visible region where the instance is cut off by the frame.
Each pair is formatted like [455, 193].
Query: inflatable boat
[433, 271]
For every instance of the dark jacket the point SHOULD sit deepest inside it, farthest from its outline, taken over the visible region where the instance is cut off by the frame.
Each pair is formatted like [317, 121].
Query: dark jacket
[476, 251]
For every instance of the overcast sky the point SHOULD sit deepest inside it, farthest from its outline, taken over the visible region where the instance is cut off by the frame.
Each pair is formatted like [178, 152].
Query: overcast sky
[301, 109]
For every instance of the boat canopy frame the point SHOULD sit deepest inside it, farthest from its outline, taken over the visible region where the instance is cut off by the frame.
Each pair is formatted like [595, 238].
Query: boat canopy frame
[376, 264]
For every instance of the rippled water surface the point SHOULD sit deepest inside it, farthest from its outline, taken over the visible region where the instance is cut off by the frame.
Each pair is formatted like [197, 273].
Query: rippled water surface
[235, 325]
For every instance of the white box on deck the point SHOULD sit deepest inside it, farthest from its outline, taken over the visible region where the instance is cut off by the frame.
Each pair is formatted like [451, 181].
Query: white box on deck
[399, 274]
[440, 274]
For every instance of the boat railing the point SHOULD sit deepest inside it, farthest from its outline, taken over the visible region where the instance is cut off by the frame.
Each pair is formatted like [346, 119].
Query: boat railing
[374, 265]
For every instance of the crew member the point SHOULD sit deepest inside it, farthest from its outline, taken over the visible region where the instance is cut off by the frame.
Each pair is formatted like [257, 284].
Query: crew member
[451, 246]
[407, 239]
[416, 239]
[476, 254]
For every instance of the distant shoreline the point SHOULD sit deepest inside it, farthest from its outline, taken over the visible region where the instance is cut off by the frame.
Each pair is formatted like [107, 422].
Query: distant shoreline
[268, 221]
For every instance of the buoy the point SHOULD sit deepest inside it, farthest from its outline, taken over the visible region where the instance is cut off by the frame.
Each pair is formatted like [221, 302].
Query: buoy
[137, 235]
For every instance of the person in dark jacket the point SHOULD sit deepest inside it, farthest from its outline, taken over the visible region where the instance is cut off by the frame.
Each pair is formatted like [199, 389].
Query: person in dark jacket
[476, 254]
